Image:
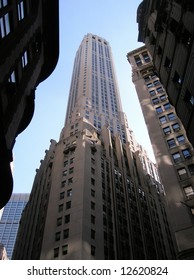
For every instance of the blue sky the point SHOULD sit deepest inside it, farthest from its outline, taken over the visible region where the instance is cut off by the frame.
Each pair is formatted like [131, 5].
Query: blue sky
[116, 22]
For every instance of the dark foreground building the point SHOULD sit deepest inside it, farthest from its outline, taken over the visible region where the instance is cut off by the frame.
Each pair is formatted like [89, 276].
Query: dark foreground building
[167, 29]
[96, 194]
[29, 49]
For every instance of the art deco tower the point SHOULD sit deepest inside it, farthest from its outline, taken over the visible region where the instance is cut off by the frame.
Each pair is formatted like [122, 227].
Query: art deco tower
[96, 194]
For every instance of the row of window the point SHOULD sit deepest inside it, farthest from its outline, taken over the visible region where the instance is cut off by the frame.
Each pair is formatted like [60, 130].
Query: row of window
[69, 193]
[142, 58]
[157, 100]
[155, 91]
[171, 129]
[183, 172]
[169, 117]
[177, 157]
[64, 250]
[173, 142]
[163, 108]
[153, 84]
[5, 23]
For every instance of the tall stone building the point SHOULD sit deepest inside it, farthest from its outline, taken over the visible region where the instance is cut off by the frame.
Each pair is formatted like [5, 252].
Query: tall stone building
[173, 152]
[96, 194]
[167, 29]
[28, 55]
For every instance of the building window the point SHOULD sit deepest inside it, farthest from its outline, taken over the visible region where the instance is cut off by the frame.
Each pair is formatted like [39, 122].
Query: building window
[189, 98]
[152, 92]
[67, 218]
[171, 143]
[182, 172]
[181, 139]
[138, 60]
[186, 37]
[65, 233]
[92, 205]
[176, 157]
[12, 77]
[167, 63]
[68, 205]
[147, 79]
[171, 116]
[21, 10]
[65, 163]
[149, 85]
[59, 221]
[63, 184]
[3, 3]
[177, 79]
[65, 173]
[56, 252]
[92, 219]
[176, 127]
[71, 170]
[163, 119]
[69, 192]
[93, 249]
[186, 153]
[60, 208]
[71, 160]
[163, 97]
[93, 234]
[189, 192]
[156, 83]
[159, 110]
[24, 59]
[4, 25]
[191, 169]
[146, 57]
[62, 195]
[159, 89]
[70, 181]
[92, 193]
[64, 249]
[92, 170]
[155, 101]
[93, 181]
[167, 130]
[57, 236]
[167, 106]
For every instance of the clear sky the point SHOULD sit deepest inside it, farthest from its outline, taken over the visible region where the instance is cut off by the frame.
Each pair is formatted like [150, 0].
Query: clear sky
[114, 20]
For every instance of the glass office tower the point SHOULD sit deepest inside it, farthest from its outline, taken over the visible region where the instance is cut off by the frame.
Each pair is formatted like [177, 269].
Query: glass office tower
[9, 221]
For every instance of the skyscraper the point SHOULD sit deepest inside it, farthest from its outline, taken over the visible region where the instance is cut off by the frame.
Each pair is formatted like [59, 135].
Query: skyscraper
[9, 222]
[96, 194]
[173, 152]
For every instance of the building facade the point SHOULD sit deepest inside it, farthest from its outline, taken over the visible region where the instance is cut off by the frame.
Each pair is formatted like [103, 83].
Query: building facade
[167, 29]
[173, 152]
[9, 221]
[96, 194]
[28, 56]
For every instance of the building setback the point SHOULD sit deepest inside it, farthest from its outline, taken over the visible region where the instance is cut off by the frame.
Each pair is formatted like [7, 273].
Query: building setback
[167, 29]
[173, 152]
[9, 221]
[96, 194]
[28, 56]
